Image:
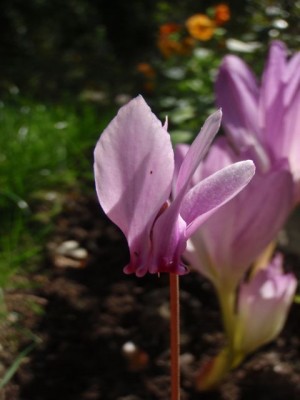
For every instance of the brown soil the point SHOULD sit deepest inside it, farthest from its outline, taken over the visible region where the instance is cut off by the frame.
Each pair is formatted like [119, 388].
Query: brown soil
[79, 315]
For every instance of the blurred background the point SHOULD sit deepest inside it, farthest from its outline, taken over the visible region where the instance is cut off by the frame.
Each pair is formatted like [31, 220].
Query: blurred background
[66, 67]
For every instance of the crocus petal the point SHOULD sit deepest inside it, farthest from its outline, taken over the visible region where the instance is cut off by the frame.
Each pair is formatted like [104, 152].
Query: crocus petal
[262, 223]
[273, 75]
[291, 141]
[271, 103]
[268, 297]
[133, 158]
[292, 78]
[213, 192]
[237, 94]
[250, 221]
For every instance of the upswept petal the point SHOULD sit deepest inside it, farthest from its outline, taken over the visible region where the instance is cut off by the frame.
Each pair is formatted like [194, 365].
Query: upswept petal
[220, 155]
[168, 234]
[133, 158]
[180, 152]
[213, 192]
[197, 151]
[237, 94]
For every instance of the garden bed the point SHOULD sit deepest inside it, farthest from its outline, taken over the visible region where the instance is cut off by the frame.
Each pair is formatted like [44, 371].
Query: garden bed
[79, 312]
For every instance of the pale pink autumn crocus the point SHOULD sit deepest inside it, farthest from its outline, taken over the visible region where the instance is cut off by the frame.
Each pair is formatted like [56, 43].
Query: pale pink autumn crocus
[134, 174]
[259, 311]
[262, 306]
[266, 115]
[226, 245]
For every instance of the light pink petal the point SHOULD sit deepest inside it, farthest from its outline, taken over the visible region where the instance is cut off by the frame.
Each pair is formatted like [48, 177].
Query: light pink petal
[134, 166]
[265, 209]
[273, 74]
[197, 151]
[268, 297]
[237, 233]
[213, 192]
[272, 94]
[290, 143]
[168, 235]
[220, 155]
[291, 79]
[180, 152]
[169, 242]
[237, 94]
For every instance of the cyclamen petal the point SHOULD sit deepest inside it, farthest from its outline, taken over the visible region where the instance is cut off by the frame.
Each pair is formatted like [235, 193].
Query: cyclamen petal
[215, 191]
[134, 174]
[129, 169]
[198, 150]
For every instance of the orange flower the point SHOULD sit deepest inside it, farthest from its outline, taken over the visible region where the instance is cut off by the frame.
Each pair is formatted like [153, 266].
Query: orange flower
[169, 28]
[200, 27]
[146, 69]
[222, 14]
[168, 47]
[170, 44]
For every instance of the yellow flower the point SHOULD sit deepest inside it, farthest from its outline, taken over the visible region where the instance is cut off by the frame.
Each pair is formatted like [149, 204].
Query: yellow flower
[222, 14]
[200, 27]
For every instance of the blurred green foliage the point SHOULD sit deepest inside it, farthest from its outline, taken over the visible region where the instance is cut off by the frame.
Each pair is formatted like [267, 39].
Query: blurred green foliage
[44, 149]
[183, 87]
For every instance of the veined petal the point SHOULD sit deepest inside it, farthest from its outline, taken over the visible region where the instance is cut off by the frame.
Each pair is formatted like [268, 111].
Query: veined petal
[213, 192]
[272, 94]
[180, 152]
[258, 224]
[134, 165]
[169, 243]
[292, 78]
[168, 234]
[237, 93]
[197, 151]
[273, 74]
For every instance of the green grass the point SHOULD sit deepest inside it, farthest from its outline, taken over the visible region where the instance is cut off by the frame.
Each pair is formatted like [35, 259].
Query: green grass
[42, 147]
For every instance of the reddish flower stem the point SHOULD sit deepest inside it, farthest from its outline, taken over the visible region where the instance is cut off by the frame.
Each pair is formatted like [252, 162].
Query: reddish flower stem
[174, 337]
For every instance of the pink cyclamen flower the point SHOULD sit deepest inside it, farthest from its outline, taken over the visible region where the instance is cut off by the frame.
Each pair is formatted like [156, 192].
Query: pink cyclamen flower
[262, 306]
[134, 170]
[265, 116]
[226, 245]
